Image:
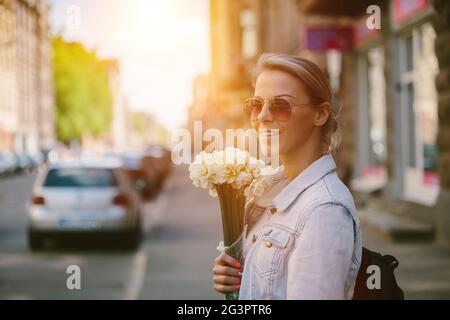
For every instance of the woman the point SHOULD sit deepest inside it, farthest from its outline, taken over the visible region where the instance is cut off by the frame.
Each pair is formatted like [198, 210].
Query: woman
[302, 237]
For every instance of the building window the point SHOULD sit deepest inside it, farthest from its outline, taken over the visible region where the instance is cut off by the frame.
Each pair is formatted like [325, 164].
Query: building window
[249, 34]
[419, 119]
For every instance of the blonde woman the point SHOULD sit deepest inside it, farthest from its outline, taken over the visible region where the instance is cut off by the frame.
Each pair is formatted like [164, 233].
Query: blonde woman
[302, 238]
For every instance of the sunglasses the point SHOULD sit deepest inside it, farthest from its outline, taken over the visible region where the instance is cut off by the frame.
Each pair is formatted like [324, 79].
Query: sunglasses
[280, 108]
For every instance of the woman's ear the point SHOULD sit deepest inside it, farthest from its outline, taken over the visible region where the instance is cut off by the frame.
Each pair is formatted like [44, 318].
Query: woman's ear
[323, 112]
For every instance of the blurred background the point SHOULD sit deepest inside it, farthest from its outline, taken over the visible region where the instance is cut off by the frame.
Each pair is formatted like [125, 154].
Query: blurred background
[90, 92]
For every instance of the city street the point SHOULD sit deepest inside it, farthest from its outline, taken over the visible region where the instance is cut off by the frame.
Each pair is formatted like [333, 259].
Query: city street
[174, 260]
[108, 102]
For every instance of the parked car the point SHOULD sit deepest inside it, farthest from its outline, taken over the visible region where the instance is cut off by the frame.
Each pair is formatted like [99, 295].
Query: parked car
[36, 159]
[7, 163]
[143, 181]
[22, 163]
[83, 198]
[156, 163]
[145, 185]
[165, 157]
[3, 164]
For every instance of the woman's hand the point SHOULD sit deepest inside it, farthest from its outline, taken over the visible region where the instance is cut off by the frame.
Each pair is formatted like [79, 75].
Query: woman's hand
[226, 274]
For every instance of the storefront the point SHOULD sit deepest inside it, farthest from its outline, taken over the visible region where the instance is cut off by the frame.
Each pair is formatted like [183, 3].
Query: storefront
[401, 95]
[415, 97]
[413, 129]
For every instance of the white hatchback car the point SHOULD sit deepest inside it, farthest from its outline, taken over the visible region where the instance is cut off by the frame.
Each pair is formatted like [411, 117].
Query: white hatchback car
[79, 197]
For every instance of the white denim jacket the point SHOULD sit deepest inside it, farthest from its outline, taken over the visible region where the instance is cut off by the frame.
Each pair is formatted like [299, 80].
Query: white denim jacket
[306, 243]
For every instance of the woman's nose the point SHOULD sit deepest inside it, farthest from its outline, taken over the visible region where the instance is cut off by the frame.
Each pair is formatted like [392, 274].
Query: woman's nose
[265, 114]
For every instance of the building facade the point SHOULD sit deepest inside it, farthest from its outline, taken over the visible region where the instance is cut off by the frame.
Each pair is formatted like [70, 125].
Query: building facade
[239, 32]
[400, 77]
[388, 64]
[26, 88]
[8, 81]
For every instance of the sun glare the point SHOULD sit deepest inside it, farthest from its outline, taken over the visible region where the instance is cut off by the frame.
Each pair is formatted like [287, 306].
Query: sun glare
[161, 46]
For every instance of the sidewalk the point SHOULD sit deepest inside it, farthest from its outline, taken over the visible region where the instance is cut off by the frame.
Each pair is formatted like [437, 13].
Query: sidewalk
[424, 270]
[181, 251]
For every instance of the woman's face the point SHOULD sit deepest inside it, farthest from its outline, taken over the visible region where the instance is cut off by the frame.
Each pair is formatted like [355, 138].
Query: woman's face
[299, 128]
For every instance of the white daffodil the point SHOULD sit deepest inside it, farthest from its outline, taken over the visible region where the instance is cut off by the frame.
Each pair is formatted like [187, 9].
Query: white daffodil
[229, 166]
[242, 179]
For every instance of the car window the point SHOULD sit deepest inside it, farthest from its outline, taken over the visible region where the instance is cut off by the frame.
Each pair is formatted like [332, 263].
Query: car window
[80, 177]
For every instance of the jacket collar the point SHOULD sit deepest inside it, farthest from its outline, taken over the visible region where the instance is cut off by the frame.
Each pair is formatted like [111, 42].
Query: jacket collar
[316, 171]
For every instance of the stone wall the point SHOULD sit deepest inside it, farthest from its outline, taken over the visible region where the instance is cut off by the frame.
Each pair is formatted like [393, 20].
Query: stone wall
[442, 27]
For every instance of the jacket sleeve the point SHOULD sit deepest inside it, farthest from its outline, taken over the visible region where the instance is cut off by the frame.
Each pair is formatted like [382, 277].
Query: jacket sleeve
[319, 264]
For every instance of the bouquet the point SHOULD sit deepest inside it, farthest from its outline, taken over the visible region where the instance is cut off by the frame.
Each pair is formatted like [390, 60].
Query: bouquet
[232, 175]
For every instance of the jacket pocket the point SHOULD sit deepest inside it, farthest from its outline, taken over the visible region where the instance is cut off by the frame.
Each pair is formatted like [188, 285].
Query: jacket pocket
[271, 250]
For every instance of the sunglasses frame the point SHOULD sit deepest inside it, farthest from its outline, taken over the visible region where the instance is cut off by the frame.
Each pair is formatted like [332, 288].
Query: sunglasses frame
[270, 100]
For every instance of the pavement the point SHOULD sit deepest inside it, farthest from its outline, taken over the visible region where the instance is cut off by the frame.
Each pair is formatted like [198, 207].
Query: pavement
[424, 267]
[175, 258]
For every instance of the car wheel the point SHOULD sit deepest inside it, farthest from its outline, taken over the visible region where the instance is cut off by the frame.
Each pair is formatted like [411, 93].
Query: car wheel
[35, 240]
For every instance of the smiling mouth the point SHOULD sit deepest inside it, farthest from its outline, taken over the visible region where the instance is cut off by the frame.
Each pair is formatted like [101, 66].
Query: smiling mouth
[269, 133]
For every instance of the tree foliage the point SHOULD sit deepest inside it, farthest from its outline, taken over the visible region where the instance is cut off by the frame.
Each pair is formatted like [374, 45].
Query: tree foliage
[84, 101]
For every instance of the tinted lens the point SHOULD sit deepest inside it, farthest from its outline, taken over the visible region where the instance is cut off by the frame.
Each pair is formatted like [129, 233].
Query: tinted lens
[280, 109]
[253, 107]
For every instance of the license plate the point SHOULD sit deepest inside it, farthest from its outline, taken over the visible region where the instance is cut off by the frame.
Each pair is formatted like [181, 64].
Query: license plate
[74, 224]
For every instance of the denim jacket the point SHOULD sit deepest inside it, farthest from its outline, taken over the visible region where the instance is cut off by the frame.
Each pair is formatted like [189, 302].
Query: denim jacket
[306, 243]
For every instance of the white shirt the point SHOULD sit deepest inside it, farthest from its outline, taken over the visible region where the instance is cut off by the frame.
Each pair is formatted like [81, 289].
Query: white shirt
[306, 243]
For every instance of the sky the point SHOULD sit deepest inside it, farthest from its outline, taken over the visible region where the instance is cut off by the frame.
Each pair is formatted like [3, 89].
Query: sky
[161, 46]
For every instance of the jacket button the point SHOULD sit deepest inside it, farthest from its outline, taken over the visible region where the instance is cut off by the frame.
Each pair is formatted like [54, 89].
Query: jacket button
[273, 210]
[268, 244]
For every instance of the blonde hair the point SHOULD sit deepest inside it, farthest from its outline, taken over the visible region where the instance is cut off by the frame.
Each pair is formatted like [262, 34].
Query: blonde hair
[316, 84]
